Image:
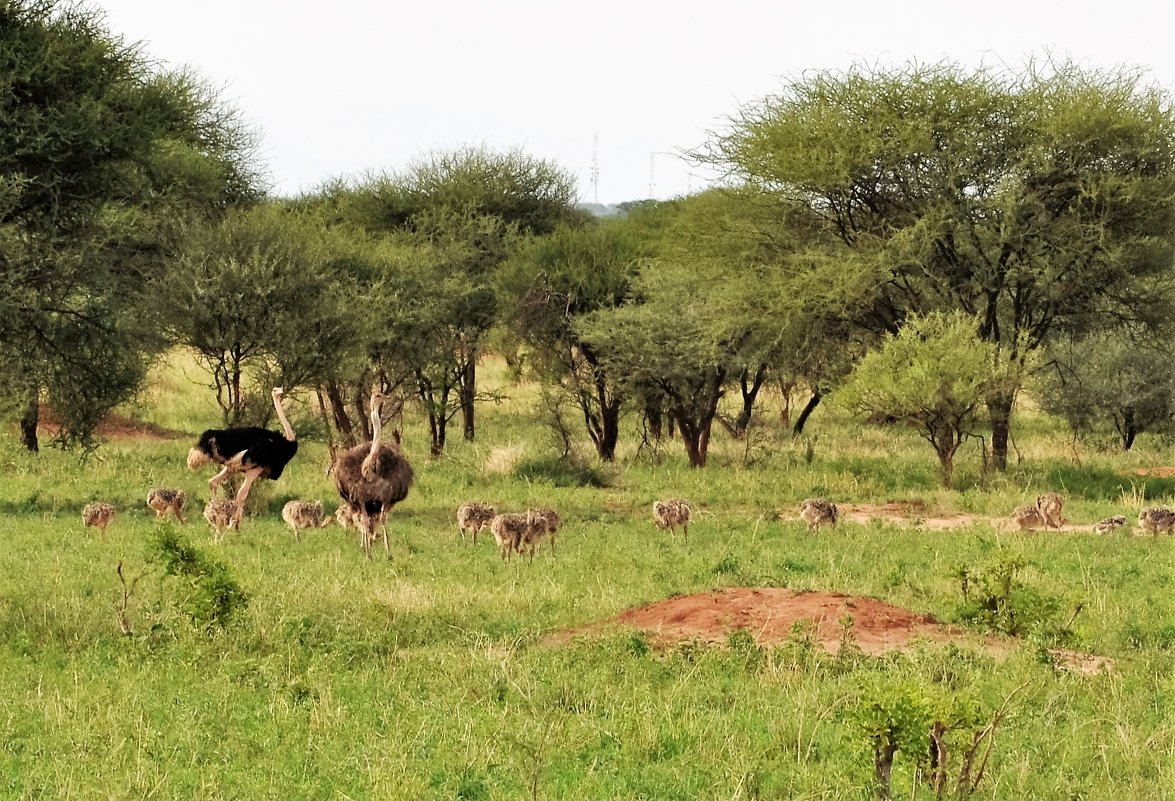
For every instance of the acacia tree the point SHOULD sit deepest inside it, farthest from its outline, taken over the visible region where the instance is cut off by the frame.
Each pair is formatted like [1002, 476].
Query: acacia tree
[1114, 379]
[100, 154]
[264, 289]
[555, 279]
[933, 374]
[1033, 201]
[473, 202]
[669, 349]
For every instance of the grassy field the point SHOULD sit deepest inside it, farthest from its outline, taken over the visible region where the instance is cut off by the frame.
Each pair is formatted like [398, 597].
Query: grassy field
[430, 676]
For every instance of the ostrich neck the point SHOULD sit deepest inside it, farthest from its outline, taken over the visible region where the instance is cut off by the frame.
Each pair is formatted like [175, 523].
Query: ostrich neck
[375, 424]
[281, 415]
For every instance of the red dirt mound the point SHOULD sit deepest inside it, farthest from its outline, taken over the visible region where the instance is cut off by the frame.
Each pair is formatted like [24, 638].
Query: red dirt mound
[769, 613]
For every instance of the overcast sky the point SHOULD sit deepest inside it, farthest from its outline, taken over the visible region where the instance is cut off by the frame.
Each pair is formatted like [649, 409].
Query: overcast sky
[339, 88]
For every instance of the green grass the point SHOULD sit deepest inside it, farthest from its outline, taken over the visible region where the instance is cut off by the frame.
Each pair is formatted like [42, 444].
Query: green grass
[430, 676]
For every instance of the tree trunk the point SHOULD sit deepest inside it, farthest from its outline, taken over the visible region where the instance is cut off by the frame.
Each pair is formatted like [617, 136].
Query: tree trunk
[946, 466]
[609, 431]
[338, 407]
[999, 408]
[750, 393]
[466, 392]
[1129, 432]
[654, 420]
[883, 768]
[813, 402]
[29, 419]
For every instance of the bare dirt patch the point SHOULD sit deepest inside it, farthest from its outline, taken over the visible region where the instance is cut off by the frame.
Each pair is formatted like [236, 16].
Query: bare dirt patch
[1154, 472]
[112, 427]
[906, 513]
[917, 514]
[770, 614]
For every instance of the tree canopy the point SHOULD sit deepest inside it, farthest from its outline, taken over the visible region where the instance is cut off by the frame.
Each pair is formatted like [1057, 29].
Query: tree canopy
[1035, 201]
[101, 152]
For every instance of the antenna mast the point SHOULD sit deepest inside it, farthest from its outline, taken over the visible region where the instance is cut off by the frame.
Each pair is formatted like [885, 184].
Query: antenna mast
[652, 164]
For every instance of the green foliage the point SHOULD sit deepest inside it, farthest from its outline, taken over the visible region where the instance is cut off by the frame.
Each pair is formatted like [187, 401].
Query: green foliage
[101, 155]
[1034, 200]
[264, 289]
[552, 281]
[1111, 381]
[933, 374]
[996, 598]
[214, 598]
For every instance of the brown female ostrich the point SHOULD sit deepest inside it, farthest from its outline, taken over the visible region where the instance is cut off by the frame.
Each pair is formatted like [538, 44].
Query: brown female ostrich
[256, 452]
[372, 478]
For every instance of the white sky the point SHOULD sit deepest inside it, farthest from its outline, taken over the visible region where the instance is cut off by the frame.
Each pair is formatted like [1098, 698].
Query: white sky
[340, 88]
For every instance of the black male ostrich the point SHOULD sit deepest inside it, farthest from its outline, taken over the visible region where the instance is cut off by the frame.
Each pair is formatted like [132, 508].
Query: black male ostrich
[372, 478]
[256, 452]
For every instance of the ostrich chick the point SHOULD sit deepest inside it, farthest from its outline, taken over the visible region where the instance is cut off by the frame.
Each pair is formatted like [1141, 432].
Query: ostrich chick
[671, 514]
[347, 516]
[162, 501]
[223, 514]
[1050, 505]
[305, 514]
[1157, 520]
[472, 517]
[1028, 517]
[541, 524]
[1109, 525]
[508, 531]
[818, 512]
[98, 515]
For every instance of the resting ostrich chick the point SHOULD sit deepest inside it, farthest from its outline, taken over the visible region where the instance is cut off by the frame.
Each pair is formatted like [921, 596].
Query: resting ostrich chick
[671, 514]
[1050, 505]
[372, 478]
[163, 500]
[255, 452]
[305, 514]
[472, 517]
[1157, 519]
[541, 524]
[818, 512]
[222, 514]
[1109, 525]
[98, 515]
[1028, 517]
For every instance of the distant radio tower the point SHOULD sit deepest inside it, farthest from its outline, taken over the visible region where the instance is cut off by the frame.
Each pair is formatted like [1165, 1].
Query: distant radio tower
[652, 164]
[595, 168]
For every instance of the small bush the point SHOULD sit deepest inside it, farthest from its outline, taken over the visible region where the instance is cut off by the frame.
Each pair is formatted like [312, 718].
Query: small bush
[214, 597]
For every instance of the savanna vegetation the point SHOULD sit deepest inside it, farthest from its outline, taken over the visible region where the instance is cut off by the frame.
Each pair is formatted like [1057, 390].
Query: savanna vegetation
[979, 261]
